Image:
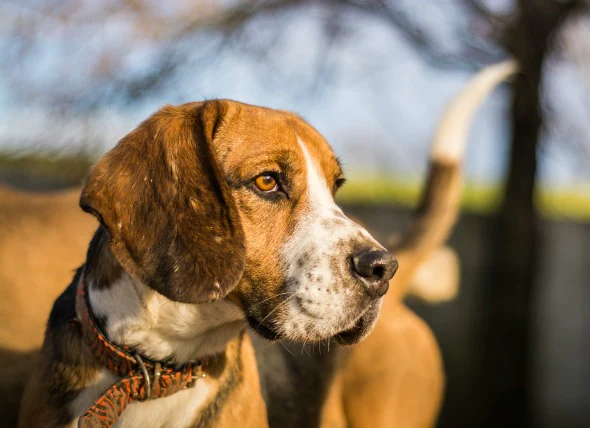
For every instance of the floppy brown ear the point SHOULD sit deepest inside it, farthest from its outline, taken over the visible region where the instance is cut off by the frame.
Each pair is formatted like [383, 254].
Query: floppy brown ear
[165, 202]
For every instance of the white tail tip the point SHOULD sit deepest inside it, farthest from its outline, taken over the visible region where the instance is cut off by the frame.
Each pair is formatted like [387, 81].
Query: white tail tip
[450, 138]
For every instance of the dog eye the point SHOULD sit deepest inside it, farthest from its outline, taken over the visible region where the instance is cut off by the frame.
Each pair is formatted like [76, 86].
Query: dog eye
[266, 183]
[339, 183]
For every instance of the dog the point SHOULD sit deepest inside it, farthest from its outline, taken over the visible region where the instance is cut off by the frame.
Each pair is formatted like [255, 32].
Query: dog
[153, 208]
[185, 250]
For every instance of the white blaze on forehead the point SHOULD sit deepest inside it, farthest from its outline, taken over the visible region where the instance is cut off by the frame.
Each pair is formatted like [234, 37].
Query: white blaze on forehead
[317, 187]
[322, 202]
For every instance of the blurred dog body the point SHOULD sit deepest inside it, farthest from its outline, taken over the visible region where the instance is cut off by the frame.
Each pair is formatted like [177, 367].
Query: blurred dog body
[43, 239]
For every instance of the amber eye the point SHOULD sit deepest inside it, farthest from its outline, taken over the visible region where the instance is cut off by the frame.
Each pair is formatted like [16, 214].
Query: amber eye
[266, 183]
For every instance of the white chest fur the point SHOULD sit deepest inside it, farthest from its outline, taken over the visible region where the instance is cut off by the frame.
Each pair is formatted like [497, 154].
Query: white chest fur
[161, 329]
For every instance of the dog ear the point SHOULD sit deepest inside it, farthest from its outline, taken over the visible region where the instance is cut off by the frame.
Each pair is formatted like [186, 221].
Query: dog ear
[166, 204]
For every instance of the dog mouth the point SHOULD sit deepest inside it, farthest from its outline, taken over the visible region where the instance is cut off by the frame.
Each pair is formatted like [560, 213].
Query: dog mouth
[350, 336]
[265, 331]
[361, 327]
[356, 333]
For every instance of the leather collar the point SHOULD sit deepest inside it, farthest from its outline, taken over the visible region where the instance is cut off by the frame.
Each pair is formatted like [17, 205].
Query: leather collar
[141, 378]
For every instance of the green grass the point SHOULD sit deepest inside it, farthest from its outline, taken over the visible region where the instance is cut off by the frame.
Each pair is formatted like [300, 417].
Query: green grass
[564, 203]
[483, 199]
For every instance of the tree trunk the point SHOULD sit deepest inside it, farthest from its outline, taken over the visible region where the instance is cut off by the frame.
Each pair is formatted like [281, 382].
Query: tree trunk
[506, 368]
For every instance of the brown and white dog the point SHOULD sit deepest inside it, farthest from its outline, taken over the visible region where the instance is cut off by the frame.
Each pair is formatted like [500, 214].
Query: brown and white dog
[213, 213]
[210, 213]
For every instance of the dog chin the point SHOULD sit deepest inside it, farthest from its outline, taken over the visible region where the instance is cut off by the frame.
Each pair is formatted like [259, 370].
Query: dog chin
[360, 329]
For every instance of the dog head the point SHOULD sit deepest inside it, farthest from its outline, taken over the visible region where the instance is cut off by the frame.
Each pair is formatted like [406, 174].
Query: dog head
[226, 200]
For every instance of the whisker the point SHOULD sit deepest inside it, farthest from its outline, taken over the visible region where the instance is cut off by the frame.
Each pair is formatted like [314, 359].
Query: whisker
[320, 343]
[286, 349]
[277, 307]
[270, 298]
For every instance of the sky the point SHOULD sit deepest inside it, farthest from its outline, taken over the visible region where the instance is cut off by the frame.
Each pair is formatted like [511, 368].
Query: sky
[379, 113]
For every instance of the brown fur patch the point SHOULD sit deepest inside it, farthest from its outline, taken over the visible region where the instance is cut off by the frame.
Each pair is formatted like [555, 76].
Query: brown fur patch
[100, 264]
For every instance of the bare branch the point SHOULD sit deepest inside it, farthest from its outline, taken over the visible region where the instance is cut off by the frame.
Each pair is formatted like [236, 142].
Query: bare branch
[176, 36]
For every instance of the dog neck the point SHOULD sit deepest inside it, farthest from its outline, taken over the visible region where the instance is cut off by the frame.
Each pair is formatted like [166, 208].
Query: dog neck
[134, 315]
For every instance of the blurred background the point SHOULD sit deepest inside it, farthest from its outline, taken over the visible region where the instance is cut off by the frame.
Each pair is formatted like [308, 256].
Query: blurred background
[373, 77]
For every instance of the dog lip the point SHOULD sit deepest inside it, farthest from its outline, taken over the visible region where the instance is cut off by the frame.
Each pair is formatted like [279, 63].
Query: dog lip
[350, 336]
[354, 334]
[264, 331]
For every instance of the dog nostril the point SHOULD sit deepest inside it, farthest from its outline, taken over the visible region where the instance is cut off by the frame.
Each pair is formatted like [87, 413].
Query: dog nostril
[378, 271]
[375, 268]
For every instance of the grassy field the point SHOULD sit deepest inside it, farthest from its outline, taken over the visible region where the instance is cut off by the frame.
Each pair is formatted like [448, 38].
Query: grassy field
[568, 203]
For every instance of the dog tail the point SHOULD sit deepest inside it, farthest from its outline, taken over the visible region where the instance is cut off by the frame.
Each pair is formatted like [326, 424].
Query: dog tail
[437, 212]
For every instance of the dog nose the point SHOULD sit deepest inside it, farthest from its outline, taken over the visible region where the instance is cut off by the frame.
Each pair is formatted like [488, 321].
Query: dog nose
[375, 268]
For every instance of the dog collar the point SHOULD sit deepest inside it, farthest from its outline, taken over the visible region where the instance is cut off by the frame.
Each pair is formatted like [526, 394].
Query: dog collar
[141, 379]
